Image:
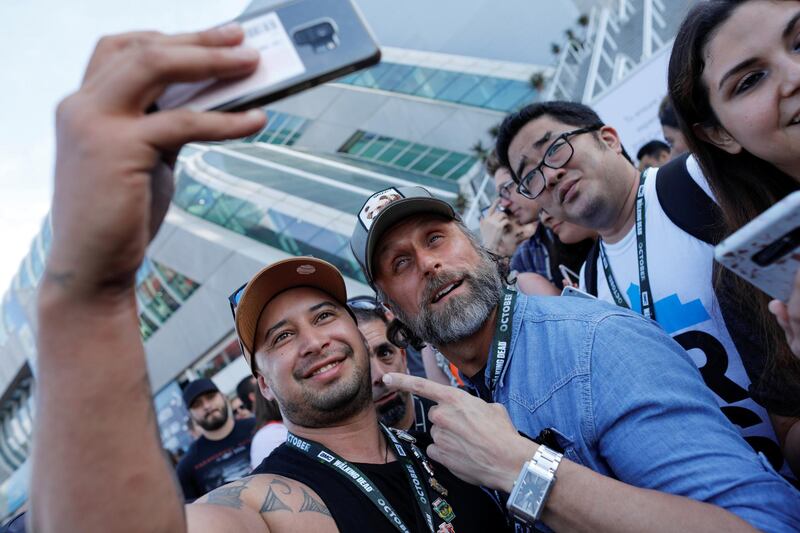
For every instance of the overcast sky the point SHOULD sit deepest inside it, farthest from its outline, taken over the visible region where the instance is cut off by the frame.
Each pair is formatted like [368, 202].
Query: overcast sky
[46, 45]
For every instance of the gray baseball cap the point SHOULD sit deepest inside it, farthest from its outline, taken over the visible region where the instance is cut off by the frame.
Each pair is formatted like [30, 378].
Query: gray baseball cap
[383, 210]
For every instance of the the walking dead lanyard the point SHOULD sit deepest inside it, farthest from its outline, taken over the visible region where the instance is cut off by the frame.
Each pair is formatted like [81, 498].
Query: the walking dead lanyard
[320, 453]
[641, 249]
[501, 342]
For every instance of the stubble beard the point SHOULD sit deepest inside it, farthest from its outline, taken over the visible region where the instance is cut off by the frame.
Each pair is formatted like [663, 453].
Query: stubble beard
[326, 407]
[393, 412]
[462, 315]
[212, 422]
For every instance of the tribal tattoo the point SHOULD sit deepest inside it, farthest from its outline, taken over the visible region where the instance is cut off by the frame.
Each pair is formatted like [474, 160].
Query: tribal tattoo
[229, 495]
[272, 502]
[310, 504]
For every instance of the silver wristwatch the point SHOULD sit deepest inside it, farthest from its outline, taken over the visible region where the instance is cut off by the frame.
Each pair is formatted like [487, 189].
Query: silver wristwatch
[533, 485]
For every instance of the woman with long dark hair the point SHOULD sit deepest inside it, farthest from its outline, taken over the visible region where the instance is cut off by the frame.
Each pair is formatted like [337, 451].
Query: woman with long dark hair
[734, 81]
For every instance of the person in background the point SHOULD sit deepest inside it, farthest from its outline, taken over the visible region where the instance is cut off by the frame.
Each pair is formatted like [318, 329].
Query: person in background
[533, 254]
[736, 90]
[671, 129]
[501, 234]
[576, 242]
[270, 430]
[653, 154]
[221, 452]
[239, 410]
[399, 410]
[247, 392]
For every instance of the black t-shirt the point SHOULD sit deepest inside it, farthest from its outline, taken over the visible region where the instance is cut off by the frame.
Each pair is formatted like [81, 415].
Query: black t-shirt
[212, 463]
[474, 509]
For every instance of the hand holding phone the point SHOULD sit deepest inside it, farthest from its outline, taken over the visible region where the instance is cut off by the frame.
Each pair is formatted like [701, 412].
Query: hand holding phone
[766, 251]
[302, 43]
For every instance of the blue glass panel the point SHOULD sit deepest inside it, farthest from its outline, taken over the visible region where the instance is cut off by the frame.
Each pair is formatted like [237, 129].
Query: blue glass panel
[370, 77]
[436, 83]
[394, 77]
[13, 312]
[459, 88]
[506, 99]
[415, 78]
[485, 90]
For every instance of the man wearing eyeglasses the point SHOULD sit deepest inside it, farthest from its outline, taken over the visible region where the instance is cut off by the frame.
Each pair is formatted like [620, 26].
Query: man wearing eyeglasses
[647, 259]
[532, 255]
[620, 415]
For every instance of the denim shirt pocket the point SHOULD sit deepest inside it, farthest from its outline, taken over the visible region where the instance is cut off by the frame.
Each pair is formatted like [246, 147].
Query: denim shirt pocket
[567, 445]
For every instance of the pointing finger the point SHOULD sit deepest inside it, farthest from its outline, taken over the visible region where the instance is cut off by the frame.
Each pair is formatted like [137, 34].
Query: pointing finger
[426, 388]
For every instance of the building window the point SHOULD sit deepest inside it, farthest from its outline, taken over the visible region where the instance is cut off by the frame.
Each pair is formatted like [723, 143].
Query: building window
[282, 128]
[489, 92]
[405, 155]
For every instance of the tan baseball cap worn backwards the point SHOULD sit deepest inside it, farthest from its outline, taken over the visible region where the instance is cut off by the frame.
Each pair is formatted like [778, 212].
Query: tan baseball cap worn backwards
[277, 278]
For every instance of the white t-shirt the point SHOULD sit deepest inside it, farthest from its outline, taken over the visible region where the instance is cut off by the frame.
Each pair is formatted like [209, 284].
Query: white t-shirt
[680, 269]
[265, 440]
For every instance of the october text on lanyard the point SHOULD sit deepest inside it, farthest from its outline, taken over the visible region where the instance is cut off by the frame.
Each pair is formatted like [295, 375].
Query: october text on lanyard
[646, 295]
[323, 455]
[501, 342]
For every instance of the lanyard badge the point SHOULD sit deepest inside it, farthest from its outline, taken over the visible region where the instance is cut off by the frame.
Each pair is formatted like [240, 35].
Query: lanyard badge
[440, 506]
[501, 342]
[645, 293]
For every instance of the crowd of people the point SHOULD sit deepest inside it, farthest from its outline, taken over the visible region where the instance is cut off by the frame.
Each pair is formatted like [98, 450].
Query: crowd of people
[659, 393]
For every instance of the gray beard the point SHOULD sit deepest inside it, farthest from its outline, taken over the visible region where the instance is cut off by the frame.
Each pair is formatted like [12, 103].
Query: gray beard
[462, 315]
[339, 402]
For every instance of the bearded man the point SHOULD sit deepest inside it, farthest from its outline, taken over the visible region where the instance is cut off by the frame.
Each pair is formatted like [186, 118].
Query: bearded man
[222, 452]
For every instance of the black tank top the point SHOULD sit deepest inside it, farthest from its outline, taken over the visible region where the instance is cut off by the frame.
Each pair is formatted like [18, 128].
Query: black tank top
[475, 511]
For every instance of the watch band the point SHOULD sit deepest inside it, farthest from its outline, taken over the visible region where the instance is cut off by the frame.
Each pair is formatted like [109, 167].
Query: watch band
[546, 459]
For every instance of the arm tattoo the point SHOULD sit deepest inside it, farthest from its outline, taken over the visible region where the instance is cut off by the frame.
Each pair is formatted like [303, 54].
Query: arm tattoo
[310, 504]
[272, 502]
[228, 495]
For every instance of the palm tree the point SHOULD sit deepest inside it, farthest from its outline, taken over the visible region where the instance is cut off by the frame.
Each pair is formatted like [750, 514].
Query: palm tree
[538, 81]
[480, 151]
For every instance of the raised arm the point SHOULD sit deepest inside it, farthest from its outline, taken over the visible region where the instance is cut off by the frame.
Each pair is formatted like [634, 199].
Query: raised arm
[97, 459]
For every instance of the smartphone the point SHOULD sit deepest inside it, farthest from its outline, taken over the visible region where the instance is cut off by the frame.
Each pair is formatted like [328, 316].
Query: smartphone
[567, 273]
[766, 252]
[303, 43]
[572, 291]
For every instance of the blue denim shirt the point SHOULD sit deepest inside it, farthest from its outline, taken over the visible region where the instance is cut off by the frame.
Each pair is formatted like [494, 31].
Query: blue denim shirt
[628, 402]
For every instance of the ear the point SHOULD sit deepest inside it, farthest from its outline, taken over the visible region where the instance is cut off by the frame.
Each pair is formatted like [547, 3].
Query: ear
[263, 386]
[610, 137]
[719, 137]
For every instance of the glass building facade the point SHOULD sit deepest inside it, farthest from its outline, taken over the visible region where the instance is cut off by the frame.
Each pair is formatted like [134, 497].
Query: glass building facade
[407, 155]
[488, 92]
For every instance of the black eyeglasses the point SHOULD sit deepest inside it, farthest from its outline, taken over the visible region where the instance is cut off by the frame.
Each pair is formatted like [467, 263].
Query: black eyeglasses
[504, 191]
[558, 154]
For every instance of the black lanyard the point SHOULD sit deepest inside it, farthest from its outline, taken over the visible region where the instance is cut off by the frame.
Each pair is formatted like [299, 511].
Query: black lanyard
[320, 453]
[501, 342]
[641, 249]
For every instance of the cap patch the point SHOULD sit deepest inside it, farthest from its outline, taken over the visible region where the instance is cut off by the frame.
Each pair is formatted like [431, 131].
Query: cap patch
[306, 270]
[375, 204]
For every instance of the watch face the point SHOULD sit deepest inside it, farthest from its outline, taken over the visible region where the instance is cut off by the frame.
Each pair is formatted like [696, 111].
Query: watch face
[532, 492]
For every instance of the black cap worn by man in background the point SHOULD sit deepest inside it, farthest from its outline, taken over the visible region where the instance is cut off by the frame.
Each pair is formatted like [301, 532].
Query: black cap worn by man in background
[222, 452]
